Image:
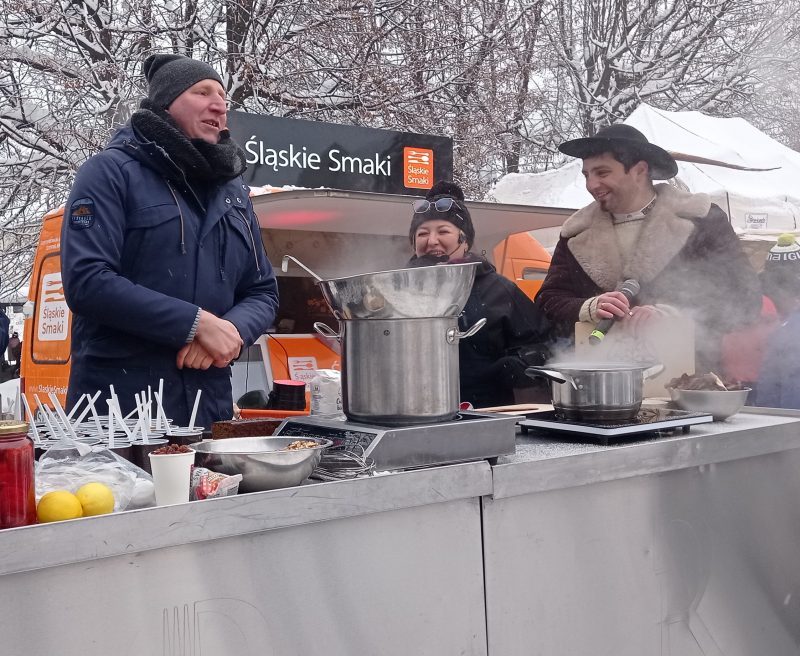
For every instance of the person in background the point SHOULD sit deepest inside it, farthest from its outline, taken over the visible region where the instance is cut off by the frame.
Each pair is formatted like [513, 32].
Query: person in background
[5, 322]
[779, 382]
[163, 264]
[14, 348]
[743, 349]
[492, 362]
[678, 246]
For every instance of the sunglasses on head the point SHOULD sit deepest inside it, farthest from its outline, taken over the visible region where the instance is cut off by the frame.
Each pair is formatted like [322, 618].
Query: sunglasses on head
[442, 205]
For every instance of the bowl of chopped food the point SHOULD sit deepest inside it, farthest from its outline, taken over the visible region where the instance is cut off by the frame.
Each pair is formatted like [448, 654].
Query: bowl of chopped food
[265, 463]
[708, 393]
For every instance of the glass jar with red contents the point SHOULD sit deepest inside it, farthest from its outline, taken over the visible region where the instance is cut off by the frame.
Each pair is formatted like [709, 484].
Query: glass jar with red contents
[17, 494]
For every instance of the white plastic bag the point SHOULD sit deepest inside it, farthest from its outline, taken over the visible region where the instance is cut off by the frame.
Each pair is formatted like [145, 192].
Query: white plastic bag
[67, 465]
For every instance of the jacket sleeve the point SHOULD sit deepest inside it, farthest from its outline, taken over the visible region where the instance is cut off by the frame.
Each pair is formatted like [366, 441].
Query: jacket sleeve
[724, 277]
[559, 297]
[257, 292]
[527, 325]
[778, 383]
[91, 250]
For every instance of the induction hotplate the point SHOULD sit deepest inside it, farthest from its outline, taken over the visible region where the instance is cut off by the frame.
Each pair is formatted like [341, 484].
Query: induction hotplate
[653, 421]
[470, 436]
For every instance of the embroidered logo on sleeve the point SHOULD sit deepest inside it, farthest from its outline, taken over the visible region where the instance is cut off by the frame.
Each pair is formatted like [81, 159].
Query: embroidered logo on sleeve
[81, 214]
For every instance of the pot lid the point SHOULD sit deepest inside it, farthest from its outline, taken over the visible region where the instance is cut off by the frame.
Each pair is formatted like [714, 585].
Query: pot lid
[599, 366]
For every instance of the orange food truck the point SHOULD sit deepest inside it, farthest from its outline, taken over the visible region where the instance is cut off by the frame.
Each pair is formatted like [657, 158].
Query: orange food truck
[335, 232]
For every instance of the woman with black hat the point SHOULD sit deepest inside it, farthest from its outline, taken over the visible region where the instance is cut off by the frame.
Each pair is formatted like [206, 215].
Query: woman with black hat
[492, 362]
[678, 246]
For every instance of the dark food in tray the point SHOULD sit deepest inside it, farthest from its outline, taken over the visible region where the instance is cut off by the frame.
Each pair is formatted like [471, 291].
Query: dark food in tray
[706, 382]
[255, 427]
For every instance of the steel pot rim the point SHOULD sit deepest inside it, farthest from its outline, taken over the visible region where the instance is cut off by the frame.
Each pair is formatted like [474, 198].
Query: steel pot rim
[598, 367]
[388, 271]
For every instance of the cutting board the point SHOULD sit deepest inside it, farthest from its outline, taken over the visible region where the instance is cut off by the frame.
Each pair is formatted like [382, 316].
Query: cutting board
[518, 409]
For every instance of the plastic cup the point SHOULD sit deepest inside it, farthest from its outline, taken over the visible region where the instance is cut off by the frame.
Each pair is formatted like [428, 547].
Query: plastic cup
[171, 476]
[122, 449]
[185, 436]
[287, 395]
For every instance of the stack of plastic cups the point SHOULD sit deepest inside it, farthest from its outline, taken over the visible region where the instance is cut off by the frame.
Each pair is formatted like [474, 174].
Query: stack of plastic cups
[287, 395]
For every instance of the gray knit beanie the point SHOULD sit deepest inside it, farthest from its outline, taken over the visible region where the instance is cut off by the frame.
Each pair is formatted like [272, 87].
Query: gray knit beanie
[168, 76]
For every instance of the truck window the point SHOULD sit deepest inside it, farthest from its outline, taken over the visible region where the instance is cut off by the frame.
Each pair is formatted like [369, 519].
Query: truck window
[301, 304]
[530, 273]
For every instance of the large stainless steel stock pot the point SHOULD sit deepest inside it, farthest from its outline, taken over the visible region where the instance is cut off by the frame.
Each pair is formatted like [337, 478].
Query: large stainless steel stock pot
[397, 372]
[420, 293]
[596, 391]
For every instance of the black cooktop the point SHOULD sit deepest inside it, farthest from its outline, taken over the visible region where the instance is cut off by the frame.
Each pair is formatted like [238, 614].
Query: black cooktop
[657, 421]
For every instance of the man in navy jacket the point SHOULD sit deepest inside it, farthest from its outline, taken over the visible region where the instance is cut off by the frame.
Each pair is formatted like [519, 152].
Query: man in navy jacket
[162, 259]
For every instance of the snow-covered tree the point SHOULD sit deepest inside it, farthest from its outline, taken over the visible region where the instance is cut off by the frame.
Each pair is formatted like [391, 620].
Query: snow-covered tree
[506, 79]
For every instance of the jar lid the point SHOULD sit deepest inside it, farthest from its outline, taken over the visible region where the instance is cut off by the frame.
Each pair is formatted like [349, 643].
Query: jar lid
[12, 426]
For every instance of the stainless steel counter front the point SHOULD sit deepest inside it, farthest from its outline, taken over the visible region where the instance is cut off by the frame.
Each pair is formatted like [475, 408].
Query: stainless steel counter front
[48, 545]
[384, 565]
[681, 546]
[542, 464]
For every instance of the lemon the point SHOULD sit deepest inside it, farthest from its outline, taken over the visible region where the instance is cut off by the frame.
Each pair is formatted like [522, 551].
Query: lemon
[96, 499]
[58, 505]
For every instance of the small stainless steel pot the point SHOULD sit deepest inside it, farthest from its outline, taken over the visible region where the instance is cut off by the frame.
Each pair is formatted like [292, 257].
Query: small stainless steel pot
[596, 391]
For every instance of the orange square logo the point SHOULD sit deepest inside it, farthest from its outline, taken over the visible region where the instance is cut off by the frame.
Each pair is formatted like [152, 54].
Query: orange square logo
[417, 168]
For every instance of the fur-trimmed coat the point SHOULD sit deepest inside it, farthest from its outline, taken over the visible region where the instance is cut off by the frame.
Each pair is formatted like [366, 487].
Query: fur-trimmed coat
[687, 256]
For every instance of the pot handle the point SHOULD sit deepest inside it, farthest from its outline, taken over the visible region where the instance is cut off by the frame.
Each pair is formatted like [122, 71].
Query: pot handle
[453, 334]
[550, 374]
[653, 371]
[326, 331]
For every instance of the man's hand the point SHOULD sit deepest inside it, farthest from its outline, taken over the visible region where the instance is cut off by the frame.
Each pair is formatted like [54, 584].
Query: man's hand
[612, 304]
[219, 338]
[193, 356]
[641, 316]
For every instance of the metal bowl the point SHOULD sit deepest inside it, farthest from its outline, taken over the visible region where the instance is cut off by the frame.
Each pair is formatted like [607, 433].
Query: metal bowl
[263, 462]
[419, 293]
[719, 403]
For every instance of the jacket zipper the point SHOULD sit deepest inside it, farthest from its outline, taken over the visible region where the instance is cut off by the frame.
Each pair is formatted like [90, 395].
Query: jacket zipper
[252, 240]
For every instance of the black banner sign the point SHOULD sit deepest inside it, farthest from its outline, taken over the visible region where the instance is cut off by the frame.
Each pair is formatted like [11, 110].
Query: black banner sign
[286, 151]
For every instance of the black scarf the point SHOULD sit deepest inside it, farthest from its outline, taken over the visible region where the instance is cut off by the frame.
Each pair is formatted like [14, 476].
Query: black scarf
[199, 160]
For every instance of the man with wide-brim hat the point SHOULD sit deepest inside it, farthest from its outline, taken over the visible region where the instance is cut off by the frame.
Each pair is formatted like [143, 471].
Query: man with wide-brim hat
[678, 246]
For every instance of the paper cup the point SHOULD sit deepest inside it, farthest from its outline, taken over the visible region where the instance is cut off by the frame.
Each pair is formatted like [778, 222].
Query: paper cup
[171, 476]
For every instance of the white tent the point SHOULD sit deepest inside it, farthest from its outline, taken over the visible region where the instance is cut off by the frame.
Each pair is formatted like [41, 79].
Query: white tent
[760, 204]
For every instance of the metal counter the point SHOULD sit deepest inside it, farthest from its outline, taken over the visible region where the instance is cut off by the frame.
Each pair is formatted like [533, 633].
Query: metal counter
[682, 546]
[367, 566]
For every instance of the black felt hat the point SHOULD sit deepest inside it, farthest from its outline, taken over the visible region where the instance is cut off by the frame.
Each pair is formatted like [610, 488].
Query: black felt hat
[662, 164]
[168, 76]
